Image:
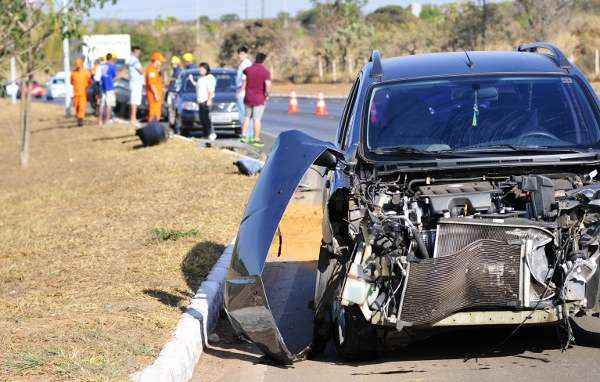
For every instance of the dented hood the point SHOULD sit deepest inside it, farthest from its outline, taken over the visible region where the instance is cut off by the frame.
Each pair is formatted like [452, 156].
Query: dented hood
[245, 298]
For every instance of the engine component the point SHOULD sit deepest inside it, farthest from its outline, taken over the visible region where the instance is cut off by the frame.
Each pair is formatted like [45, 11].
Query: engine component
[459, 198]
[541, 189]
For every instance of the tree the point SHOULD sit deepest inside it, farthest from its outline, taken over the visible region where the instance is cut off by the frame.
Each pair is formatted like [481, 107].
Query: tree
[28, 26]
[229, 18]
[339, 30]
[541, 14]
[390, 14]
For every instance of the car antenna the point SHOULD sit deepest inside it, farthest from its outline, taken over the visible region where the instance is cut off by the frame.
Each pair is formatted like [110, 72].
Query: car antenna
[470, 62]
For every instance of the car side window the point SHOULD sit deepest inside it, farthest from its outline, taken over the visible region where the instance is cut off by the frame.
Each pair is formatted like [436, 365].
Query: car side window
[348, 115]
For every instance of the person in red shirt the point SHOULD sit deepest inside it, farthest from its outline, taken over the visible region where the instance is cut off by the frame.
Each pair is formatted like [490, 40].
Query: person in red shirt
[258, 87]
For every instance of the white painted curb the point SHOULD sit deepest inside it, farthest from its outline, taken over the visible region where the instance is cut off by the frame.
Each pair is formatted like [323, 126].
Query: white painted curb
[179, 356]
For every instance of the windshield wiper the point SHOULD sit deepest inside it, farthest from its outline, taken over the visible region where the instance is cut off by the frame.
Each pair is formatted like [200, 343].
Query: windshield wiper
[524, 149]
[411, 150]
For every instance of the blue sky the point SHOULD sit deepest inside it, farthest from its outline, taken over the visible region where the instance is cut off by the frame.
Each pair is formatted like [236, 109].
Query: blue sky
[186, 9]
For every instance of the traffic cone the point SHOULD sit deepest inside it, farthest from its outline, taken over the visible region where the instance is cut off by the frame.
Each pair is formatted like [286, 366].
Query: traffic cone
[293, 105]
[321, 109]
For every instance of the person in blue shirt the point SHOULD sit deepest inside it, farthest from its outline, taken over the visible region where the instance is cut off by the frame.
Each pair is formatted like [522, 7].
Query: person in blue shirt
[107, 86]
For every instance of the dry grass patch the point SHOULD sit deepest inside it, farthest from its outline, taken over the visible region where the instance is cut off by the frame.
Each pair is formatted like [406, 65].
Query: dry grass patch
[102, 244]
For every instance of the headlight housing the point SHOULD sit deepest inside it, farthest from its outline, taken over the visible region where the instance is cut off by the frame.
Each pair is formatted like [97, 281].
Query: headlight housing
[191, 106]
[224, 107]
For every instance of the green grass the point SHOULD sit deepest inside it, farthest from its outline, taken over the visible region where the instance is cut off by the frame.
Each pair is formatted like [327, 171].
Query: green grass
[165, 234]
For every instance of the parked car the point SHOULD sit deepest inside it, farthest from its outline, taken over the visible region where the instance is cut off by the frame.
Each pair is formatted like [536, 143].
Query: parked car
[37, 90]
[224, 115]
[58, 87]
[462, 190]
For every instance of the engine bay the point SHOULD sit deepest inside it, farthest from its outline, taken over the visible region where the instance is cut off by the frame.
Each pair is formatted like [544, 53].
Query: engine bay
[426, 248]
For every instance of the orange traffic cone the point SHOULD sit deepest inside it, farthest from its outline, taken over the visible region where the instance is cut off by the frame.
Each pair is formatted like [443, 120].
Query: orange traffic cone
[321, 109]
[293, 105]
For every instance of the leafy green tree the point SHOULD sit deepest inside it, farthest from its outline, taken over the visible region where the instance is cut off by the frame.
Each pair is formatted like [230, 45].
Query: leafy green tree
[27, 29]
[430, 13]
[390, 14]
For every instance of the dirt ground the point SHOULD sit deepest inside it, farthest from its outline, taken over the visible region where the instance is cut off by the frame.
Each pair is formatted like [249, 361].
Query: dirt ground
[102, 244]
[300, 232]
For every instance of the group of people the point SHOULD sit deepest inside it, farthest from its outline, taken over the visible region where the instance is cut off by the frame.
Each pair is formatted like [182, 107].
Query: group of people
[253, 85]
[102, 80]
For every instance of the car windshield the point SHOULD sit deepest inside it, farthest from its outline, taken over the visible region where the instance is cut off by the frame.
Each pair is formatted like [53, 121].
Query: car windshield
[225, 82]
[481, 113]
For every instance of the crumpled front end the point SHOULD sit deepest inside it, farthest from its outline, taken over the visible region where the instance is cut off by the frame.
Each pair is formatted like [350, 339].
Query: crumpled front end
[443, 252]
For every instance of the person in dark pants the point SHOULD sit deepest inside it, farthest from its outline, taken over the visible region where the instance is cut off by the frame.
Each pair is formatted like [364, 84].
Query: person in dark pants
[205, 92]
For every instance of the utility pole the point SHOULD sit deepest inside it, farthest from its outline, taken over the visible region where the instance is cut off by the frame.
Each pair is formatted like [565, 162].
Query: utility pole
[197, 23]
[67, 67]
[285, 10]
[262, 9]
[245, 9]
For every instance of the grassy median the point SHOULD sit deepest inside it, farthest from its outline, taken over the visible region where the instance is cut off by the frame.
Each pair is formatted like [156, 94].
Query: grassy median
[102, 243]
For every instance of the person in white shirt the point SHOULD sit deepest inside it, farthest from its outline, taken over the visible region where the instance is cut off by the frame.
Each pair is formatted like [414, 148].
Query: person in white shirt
[136, 83]
[205, 92]
[240, 82]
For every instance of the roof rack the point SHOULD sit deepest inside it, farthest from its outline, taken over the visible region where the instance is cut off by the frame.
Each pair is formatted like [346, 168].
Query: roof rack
[556, 54]
[377, 69]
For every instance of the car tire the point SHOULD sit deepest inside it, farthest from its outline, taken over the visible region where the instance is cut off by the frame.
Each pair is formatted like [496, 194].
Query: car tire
[355, 339]
[325, 287]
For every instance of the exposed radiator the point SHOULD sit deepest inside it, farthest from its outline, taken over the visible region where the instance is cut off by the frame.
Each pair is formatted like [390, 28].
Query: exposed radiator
[453, 236]
[484, 273]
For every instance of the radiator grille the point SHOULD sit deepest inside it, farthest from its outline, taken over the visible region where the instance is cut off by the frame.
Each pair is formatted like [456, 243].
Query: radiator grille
[484, 273]
[453, 237]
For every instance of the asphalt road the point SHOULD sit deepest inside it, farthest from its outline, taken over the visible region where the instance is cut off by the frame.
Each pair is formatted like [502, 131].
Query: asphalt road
[276, 119]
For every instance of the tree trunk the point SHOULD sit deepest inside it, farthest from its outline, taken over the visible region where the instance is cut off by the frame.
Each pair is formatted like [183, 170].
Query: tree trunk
[320, 66]
[334, 70]
[349, 66]
[24, 121]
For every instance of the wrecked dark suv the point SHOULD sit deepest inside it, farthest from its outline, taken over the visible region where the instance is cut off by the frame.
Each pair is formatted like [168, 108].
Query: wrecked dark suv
[462, 190]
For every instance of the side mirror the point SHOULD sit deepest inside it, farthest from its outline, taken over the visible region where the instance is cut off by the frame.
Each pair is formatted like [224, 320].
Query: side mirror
[327, 160]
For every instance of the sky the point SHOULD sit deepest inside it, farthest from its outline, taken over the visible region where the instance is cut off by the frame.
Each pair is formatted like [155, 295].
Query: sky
[186, 9]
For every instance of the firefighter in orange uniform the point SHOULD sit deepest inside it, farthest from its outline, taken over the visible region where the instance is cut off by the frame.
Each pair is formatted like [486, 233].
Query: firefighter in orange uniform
[154, 87]
[80, 80]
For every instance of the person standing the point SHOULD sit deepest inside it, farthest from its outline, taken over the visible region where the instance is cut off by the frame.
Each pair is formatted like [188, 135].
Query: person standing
[205, 92]
[240, 80]
[188, 61]
[80, 80]
[176, 68]
[154, 87]
[136, 83]
[258, 87]
[108, 72]
[96, 87]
